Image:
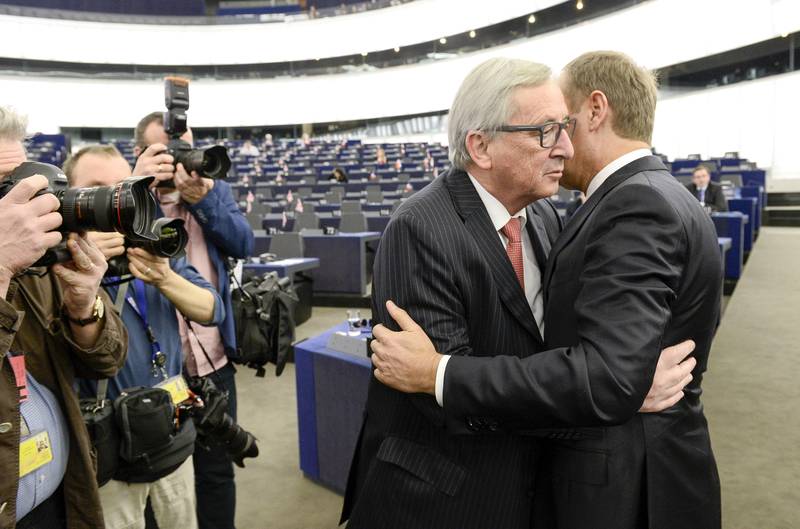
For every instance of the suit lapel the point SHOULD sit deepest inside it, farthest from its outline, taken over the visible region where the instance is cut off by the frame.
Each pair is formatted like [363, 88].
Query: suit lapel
[477, 221]
[647, 163]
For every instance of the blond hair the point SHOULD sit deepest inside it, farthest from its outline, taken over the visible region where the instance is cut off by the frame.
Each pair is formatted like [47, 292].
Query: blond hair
[484, 101]
[631, 90]
[108, 151]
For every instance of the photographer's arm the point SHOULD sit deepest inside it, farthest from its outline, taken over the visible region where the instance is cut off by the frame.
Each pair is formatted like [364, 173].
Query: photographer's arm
[198, 303]
[220, 217]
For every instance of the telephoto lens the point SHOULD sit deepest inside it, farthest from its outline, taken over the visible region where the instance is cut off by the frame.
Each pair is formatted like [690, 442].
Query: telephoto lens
[171, 241]
[127, 207]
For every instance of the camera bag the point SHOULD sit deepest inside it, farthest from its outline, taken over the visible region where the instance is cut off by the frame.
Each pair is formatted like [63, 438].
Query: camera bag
[263, 309]
[98, 415]
[151, 447]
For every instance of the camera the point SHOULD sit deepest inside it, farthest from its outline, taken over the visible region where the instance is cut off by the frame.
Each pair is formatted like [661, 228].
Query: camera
[210, 162]
[170, 242]
[214, 425]
[127, 207]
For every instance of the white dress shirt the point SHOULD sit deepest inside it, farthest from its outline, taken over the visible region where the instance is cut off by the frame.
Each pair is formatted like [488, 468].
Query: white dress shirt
[613, 167]
[532, 275]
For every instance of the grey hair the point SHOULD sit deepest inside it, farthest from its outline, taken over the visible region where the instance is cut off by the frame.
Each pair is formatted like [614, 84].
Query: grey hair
[484, 100]
[13, 126]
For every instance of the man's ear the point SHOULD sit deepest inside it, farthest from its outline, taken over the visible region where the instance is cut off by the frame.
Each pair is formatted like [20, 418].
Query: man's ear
[477, 144]
[137, 151]
[599, 111]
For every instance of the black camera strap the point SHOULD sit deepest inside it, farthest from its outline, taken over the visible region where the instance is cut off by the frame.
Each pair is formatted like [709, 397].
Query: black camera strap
[202, 347]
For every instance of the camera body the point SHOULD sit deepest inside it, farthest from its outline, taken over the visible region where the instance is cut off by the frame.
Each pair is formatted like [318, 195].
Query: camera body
[214, 425]
[126, 207]
[209, 162]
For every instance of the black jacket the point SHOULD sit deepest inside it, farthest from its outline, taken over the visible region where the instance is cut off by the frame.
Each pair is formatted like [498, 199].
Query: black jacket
[636, 269]
[441, 259]
[714, 197]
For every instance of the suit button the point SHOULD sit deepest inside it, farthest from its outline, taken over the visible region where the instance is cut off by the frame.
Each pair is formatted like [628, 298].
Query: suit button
[5, 427]
[472, 424]
[493, 426]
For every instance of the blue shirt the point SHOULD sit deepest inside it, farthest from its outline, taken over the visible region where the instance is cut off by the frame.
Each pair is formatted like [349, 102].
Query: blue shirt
[41, 412]
[162, 317]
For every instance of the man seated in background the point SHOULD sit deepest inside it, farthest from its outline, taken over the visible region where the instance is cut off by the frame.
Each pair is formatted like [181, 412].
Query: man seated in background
[248, 149]
[217, 229]
[148, 307]
[708, 193]
[55, 325]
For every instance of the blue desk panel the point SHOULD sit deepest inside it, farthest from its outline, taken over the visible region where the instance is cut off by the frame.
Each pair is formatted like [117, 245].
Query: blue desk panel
[731, 225]
[748, 207]
[331, 395]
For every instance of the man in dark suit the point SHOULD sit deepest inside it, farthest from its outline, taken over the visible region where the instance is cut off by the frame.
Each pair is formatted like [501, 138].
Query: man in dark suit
[466, 256]
[637, 267]
[707, 192]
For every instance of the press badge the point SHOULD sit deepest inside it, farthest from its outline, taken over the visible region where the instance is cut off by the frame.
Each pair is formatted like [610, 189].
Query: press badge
[177, 388]
[34, 453]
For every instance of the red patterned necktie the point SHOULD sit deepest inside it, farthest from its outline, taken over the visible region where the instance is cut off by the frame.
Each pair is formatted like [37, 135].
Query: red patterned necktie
[513, 232]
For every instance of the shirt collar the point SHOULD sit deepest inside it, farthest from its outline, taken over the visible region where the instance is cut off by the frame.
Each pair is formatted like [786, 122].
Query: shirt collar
[613, 167]
[496, 210]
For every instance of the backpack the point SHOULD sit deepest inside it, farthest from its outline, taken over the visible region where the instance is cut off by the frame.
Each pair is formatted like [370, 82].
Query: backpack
[263, 309]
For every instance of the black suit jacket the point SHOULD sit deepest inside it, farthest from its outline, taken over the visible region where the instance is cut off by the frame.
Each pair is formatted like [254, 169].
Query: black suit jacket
[442, 260]
[714, 197]
[636, 269]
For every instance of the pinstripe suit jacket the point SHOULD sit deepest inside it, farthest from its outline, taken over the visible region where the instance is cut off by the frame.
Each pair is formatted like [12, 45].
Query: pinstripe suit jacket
[441, 259]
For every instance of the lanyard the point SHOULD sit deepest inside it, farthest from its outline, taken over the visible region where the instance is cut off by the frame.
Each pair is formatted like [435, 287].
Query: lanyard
[138, 302]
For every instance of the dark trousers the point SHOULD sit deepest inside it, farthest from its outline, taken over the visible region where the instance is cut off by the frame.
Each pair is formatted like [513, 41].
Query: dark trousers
[49, 514]
[213, 469]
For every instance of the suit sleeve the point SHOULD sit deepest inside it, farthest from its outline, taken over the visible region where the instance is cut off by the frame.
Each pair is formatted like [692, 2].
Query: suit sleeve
[223, 222]
[413, 270]
[633, 265]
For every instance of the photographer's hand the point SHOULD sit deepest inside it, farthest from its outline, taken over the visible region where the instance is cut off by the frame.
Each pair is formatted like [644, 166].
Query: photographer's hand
[154, 161]
[111, 244]
[27, 224]
[194, 302]
[148, 267]
[191, 187]
[80, 281]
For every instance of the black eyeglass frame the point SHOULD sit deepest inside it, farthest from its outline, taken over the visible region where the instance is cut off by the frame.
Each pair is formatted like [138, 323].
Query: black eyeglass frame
[568, 123]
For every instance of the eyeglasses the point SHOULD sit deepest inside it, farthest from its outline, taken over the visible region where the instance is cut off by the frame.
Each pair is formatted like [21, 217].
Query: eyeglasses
[548, 132]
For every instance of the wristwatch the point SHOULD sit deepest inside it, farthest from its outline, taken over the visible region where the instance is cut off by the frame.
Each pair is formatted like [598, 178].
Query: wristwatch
[97, 314]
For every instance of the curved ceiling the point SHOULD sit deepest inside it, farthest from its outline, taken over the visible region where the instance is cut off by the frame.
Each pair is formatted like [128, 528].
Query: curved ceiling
[656, 34]
[145, 44]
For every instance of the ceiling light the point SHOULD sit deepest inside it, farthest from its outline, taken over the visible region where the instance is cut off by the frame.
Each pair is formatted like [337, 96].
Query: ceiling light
[472, 34]
[316, 59]
[784, 35]
[397, 49]
[442, 40]
[579, 5]
[531, 19]
[363, 54]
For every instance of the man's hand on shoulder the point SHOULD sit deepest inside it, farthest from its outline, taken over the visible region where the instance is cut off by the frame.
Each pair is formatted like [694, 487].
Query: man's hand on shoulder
[405, 360]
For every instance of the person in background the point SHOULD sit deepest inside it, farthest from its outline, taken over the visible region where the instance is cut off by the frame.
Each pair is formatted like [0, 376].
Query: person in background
[248, 149]
[217, 229]
[166, 287]
[54, 326]
[338, 175]
[380, 156]
[576, 203]
[708, 193]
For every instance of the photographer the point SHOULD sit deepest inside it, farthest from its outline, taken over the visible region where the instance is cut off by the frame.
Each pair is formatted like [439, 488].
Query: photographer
[217, 228]
[59, 323]
[148, 305]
